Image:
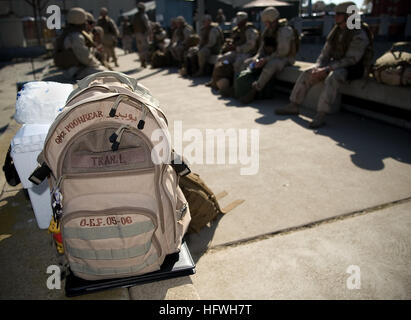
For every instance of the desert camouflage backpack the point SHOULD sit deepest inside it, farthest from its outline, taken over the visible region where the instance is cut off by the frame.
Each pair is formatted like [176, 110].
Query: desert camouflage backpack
[394, 67]
[118, 205]
[203, 203]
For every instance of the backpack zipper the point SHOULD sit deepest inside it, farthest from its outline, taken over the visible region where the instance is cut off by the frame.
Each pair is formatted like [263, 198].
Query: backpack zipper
[113, 109]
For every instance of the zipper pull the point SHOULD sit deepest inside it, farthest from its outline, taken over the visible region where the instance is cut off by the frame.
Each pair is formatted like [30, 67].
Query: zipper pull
[57, 204]
[113, 109]
[142, 122]
[115, 138]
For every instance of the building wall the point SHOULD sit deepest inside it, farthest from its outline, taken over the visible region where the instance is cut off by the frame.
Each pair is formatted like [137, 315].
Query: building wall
[167, 9]
[391, 7]
[22, 9]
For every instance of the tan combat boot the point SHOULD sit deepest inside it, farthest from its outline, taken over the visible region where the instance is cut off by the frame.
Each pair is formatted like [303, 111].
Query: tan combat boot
[318, 121]
[290, 109]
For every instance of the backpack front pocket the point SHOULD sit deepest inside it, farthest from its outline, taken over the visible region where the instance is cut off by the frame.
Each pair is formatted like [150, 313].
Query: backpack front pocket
[111, 243]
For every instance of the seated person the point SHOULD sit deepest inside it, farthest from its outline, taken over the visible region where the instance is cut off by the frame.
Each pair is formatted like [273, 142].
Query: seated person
[278, 48]
[72, 52]
[180, 40]
[345, 56]
[244, 44]
[211, 40]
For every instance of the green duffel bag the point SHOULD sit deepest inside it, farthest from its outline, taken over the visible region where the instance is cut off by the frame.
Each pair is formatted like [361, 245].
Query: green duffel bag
[243, 82]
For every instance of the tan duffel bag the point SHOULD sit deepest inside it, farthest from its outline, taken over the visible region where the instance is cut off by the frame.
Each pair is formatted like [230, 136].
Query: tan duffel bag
[394, 67]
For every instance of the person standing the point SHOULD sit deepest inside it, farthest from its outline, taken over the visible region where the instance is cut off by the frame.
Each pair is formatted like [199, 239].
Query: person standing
[111, 34]
[220, 18]
[142, 29]
[126, 35]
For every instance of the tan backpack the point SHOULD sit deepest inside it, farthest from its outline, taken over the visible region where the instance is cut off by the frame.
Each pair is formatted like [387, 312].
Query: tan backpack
[204, 206]
[120, 209]
[394, 67]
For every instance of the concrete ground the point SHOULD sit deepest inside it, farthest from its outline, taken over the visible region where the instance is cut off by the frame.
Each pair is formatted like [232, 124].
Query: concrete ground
[327, 214]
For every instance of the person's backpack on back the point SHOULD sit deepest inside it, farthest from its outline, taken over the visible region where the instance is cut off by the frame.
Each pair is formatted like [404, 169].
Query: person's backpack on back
[118, 206]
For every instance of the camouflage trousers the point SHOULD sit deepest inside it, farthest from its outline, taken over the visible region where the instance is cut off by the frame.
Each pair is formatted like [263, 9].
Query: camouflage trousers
[142, 46]
[271, 67]
[109, 43]
[127, 43]
[332, 83]
[236, 59]
[203, 55]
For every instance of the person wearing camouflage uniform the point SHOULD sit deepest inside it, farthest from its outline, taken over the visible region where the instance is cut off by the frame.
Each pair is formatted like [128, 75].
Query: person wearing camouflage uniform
[242, 45]
[111, 34]
[277, 50]
[142, 29]
[159, 37]
[94, 40]
[343, 57]
[245, 42]
[180, 39]
[220, 18]
[73, 54]
[127, 35]
[211, 40]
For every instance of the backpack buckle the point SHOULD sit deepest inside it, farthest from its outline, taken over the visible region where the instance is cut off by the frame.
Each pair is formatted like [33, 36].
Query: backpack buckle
[179, 165]
[41, 173]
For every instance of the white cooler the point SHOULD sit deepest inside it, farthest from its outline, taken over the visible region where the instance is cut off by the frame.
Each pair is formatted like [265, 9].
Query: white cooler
[25, 147]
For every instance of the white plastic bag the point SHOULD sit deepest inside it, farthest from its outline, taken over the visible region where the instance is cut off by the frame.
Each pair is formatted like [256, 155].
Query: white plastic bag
[39, 102]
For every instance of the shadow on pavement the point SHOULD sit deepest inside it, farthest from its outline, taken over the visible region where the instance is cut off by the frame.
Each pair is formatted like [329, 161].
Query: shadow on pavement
[198, 81]
[3, 129]
[26, 249]
[35, 71]
[198, 243]
[149, 75]
[58, 78]
[370, 141]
